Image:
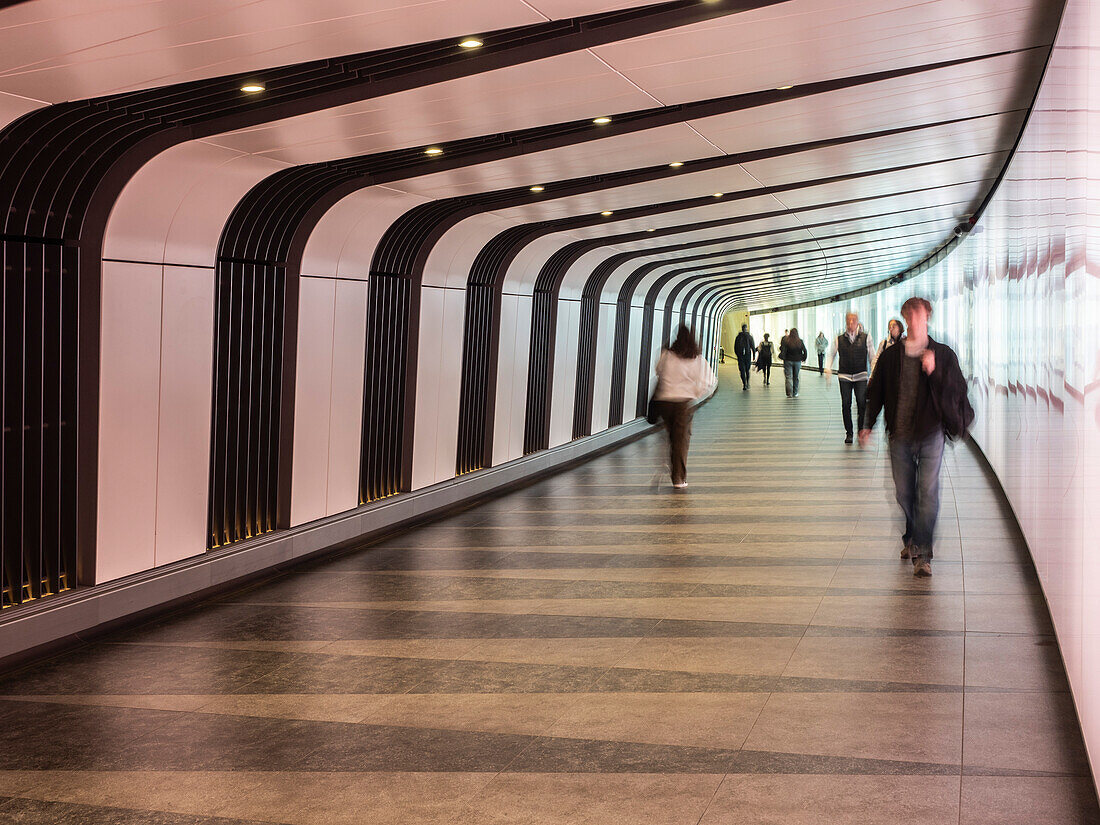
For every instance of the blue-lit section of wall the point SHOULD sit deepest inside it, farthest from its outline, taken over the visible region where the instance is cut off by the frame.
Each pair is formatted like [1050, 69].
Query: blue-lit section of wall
[1020, 302]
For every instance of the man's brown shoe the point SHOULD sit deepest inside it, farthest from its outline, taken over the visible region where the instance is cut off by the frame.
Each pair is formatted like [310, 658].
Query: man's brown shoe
[906, 551]
[922, 568]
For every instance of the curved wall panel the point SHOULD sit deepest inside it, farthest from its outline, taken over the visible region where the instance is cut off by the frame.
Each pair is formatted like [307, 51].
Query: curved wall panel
[1019, 300]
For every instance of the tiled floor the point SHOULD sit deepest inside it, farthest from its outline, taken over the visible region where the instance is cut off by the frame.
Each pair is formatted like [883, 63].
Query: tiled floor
[595, 649]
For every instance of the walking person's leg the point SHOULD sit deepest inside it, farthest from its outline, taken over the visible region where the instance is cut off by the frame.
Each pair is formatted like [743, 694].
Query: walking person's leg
[788, 372]
[796, 369]
[846, 407]
[744, 364]
[860, 388]
[680, 439]
[929, 456]
[821, 361]
[903, 467]
[767, 370]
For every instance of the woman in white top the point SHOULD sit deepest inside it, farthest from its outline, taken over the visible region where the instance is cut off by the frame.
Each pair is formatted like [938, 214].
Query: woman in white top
[682, 377]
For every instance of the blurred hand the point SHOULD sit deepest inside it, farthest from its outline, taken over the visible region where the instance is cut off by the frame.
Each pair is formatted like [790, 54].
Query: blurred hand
[828, 374]
[928, 361]
[864, 438]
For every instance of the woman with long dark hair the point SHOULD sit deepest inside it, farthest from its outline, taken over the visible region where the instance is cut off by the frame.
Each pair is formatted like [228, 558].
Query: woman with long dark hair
[792, 352]
[683, 376]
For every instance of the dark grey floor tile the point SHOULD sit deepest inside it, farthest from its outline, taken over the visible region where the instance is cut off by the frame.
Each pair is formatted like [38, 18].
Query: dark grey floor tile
[36, 812]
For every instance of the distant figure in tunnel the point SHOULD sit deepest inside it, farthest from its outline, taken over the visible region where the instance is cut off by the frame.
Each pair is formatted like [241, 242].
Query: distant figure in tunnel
[744, 348]
[764, 354]
[792, 352]
[921, 388]
[856, 353]
[683, 376]
[821, 343]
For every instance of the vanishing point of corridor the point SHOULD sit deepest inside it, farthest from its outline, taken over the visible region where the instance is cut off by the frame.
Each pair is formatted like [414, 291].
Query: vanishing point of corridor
[596, 648]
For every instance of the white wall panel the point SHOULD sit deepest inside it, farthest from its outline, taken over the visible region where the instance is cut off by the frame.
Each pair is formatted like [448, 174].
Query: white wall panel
[186, 387]
[605, 350]
[449, 385]
[312, 400]
[344, 240]
[453, 255]
[511, 411]
[428, 376]
[346, 412]
[565, 373]
[175, 207]
[633, 361]
[128, 419]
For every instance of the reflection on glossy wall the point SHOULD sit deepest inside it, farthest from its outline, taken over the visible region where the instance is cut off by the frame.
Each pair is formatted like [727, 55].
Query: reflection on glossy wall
[1020, 302]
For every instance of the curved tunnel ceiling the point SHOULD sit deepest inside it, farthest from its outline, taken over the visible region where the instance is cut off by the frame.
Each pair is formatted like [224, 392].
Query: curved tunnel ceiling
[972, 71]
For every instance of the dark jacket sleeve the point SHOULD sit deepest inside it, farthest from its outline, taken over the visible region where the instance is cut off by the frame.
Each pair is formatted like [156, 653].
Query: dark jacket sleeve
[802, 354]
[874, 398]
[947, 382]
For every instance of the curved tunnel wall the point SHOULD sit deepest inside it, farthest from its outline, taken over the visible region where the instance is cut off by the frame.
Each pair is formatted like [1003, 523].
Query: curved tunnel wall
[1019, 300]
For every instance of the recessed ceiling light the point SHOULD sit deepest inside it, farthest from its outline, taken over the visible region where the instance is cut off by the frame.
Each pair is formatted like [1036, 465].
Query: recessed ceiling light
[651, 230]
[434, 150]
[718, 194]
[471, 43]
[784, 88]
[676, 164]
[537, 188]
[607, 212]
[601, 120]
[253, 87]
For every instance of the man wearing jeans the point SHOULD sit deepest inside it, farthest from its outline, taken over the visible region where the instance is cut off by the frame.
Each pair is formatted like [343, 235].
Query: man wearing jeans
[914, 384]
[856, 353]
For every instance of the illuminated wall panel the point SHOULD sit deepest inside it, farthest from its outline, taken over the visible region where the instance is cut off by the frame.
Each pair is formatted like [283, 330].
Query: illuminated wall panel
[1019, 300]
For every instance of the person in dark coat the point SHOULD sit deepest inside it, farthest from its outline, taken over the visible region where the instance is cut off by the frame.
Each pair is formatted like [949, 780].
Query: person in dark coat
[764, 354]
[919, 385]
[792, 352]
[744, 348]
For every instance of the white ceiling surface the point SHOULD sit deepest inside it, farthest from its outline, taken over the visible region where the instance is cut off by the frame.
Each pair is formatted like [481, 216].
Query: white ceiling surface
[57, 50]
[138, 43]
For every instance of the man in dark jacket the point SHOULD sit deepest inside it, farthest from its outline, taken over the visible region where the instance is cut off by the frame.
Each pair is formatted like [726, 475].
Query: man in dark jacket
[920, 386]
[744, 348]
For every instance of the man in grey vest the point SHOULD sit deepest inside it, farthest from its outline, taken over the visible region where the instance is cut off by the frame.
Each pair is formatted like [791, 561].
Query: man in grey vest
[856, 352]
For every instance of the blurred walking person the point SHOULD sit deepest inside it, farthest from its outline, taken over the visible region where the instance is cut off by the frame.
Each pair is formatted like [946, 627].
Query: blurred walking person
[856, 351]
[683, 376]
[744, 348]
[792, 352]
[921, 389]
[764, 355]
[821, 343]
[895, 332]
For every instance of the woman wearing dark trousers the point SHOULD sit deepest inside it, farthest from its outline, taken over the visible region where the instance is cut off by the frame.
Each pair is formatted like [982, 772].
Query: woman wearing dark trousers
[792, 352]
[682, 377]
[764, 359]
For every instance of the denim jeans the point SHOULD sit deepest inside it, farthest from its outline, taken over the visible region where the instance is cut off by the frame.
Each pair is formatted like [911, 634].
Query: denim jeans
[821, 361]
[916, 467]
[790, 376]
[846, 389]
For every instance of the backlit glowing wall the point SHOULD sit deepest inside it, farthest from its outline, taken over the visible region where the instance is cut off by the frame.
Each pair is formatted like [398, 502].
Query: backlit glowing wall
[1019, 300]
